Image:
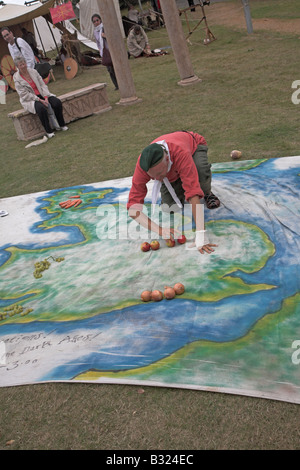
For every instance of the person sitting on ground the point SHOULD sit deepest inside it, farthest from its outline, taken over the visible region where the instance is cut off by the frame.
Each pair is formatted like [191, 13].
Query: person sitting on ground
[137, 42]
[178, 163]
[17, 46]
[36, 98]
[133, 14]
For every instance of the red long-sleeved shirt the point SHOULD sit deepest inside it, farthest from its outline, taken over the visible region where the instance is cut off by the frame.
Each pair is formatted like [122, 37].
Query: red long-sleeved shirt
[182, 145]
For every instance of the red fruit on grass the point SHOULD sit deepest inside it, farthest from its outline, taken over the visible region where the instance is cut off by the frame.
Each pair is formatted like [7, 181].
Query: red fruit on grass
[170, 242]
[154, 245]
[181, 239]
[235, 154]
[145, 246]
[169, 293]
[156, 295]
[179, 288]
[146, 295]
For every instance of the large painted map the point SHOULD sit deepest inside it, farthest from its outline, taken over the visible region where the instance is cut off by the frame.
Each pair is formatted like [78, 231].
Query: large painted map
[71, 279]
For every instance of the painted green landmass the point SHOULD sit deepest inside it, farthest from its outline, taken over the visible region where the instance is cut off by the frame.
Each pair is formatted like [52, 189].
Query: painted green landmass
[240, 165]
[101, 274]
[69, 217]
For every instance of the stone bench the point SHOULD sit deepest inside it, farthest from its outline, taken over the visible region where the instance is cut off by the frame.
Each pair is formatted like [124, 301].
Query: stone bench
[76, 104]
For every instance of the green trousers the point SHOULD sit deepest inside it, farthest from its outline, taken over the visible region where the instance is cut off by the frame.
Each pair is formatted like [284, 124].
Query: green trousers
[204, 175]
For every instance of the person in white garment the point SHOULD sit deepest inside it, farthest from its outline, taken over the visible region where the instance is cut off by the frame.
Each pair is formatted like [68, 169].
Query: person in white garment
[18, 47]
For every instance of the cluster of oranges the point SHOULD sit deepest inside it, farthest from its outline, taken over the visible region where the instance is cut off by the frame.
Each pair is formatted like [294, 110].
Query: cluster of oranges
[157, 295]
[155, 245]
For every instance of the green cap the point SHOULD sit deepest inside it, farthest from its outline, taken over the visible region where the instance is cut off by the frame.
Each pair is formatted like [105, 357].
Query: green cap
[151, 156]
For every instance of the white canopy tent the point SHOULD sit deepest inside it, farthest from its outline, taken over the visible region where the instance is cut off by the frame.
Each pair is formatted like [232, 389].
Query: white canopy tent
[44, 32]
[87, 8]
[30, 17]
[83, 39]
[12, 14]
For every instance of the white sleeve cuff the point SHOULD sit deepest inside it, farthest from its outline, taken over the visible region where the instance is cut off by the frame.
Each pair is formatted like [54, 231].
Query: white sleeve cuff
[201, 238]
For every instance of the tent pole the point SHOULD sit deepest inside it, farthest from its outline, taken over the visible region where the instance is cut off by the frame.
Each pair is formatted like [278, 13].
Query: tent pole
[39, 37]
[52, 35]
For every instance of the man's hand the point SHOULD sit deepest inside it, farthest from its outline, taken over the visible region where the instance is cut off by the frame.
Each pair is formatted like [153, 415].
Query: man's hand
[147, 49]
[203, 249]
[44, 102]
[202, 244]
[206, 248]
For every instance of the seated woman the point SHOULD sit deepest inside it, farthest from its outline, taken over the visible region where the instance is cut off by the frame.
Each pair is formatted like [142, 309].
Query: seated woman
[137, 42]
[35, 96]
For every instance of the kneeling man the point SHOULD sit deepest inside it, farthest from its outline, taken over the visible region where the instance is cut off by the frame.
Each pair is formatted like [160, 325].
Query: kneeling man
[178, 163]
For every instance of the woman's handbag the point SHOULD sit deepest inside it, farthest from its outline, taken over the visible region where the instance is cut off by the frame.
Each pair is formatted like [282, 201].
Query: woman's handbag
[43, 68]
[52, 118]
[106, 58]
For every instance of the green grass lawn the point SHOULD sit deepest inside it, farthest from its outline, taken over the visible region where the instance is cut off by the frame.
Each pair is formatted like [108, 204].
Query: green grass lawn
[284, 9]
[243, 102]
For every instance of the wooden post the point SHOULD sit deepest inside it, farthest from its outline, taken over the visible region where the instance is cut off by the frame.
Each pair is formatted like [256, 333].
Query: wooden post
[248, 16]
[178, 43]
[118, 52]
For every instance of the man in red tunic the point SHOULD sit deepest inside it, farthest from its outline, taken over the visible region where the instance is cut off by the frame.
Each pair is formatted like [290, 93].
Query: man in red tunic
[178, 164]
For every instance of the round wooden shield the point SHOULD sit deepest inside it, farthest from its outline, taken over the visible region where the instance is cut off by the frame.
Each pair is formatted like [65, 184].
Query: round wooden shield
[70, 68]
[47, 79]
[8, 68]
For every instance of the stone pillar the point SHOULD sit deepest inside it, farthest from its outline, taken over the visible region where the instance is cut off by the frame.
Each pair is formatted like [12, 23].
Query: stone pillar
[118, 52]
[178, 42]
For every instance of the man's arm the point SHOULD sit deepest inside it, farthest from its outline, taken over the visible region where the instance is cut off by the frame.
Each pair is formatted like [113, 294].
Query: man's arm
[27, 53]
[147, 223]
